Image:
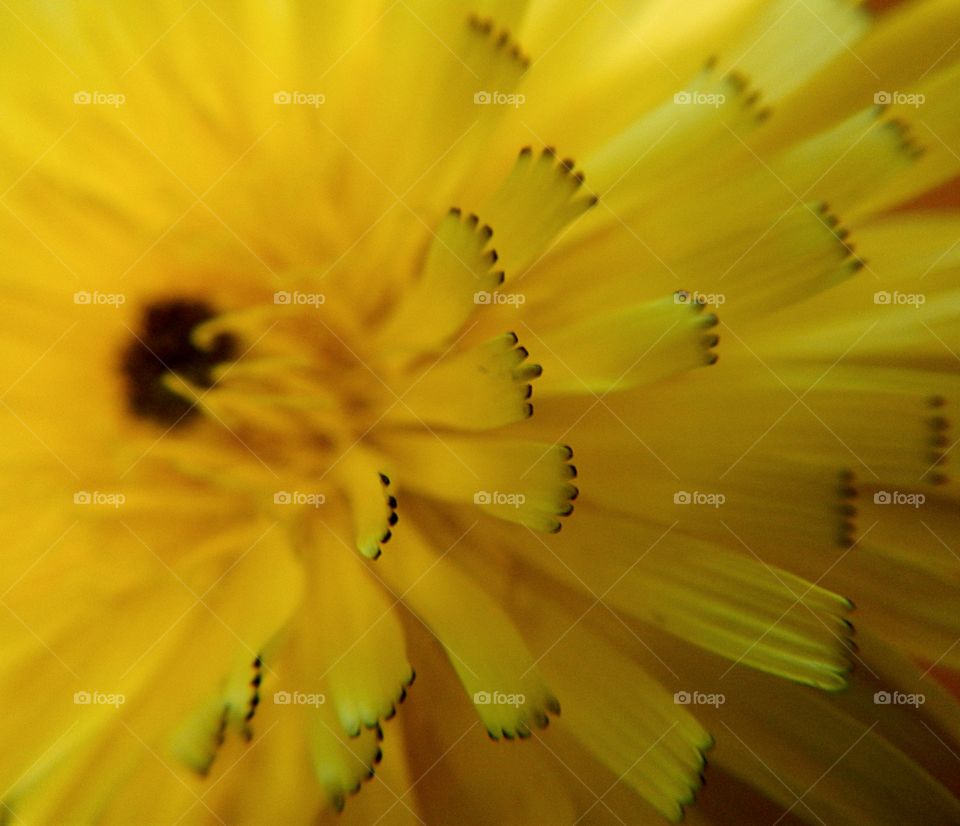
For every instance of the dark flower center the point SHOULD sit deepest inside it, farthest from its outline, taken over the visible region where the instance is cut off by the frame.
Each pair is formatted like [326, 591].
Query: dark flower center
[163, 345]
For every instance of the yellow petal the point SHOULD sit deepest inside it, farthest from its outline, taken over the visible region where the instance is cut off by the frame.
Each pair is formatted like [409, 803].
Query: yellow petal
[518, 481]
[460, 264]
[654, 745]
[625, 348]
[362, 651]
[485, 387]
[537, 200]
[483, 646]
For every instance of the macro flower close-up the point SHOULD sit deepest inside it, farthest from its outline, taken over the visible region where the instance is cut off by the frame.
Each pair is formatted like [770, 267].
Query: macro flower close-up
[480, 412]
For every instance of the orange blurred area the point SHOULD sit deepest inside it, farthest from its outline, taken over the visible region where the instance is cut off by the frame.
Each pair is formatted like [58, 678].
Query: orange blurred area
[947, 195]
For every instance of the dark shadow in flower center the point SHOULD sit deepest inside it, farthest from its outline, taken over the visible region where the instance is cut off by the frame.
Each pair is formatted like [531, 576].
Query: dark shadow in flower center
[163, 345]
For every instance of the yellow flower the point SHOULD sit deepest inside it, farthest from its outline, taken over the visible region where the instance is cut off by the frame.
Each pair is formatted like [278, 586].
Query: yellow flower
[304, 319]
